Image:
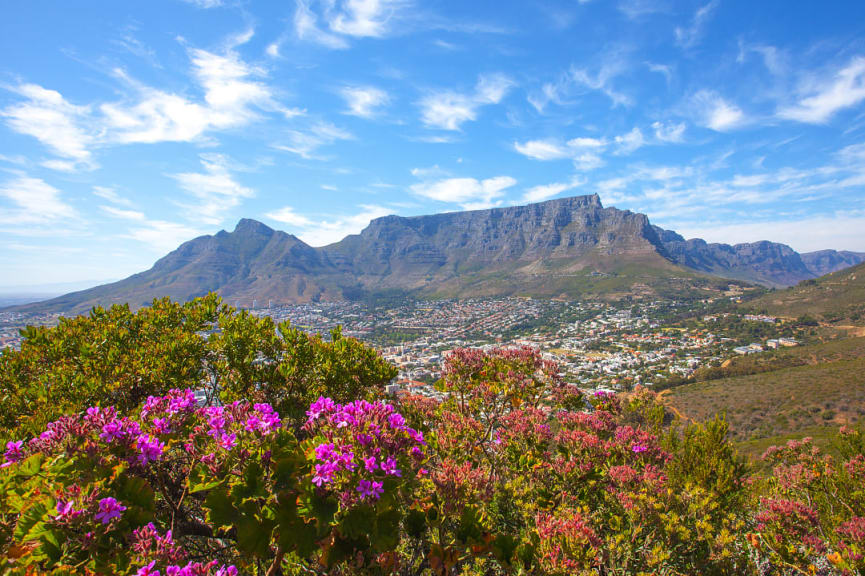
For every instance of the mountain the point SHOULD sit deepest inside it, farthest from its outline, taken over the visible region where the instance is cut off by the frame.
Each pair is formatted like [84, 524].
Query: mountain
[824, 262]
[564, 247]
[767, 263]
[837, 298]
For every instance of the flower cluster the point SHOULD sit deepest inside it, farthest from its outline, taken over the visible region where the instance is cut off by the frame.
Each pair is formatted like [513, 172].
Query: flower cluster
[359, 446]
[190, 569]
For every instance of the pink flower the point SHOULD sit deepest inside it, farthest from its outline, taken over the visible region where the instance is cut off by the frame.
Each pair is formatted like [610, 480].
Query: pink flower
[637, 448]
[109, 508]
[148, 570]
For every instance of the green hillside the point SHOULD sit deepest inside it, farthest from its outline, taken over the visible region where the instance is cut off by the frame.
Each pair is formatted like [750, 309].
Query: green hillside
[837, 298]
[794, 392]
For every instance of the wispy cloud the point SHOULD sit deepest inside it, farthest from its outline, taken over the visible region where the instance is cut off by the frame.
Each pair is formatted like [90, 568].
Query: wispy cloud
[32, 202]
[342, 20]
[124, 214]
[109, 194]
[59, 125]
[585, 151]
[330, 228]
[214, 189]
[470, 193]
[825, 97]
[547, 191]
[689, 36]
[161, 236]
[364, 101]
[669, 132]
[449, 110]
[714, 112]
[287, 215]
[305, 143]
[578, 80]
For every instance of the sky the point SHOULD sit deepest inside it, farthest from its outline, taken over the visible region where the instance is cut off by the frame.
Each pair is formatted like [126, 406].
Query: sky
[127, 128]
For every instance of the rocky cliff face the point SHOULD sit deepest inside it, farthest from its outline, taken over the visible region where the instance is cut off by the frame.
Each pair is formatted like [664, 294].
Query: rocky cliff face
[564, 247]
[827, 261]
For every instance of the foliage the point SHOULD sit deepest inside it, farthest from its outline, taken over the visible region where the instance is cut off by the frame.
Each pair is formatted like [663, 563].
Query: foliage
[294, 465]
[117, 357]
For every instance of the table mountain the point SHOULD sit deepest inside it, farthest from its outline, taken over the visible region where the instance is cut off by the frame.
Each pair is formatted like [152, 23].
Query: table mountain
[566, 247]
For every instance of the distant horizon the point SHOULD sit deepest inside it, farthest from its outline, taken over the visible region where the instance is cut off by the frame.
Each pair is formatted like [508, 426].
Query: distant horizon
[128, 129]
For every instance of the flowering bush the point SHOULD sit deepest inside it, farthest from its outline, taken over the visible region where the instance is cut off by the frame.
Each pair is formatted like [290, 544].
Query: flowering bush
[513, 473]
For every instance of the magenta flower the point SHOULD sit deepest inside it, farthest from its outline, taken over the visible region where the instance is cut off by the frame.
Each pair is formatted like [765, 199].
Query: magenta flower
[370, 489]
[149, 449]
[162, 425]
[13, 452]
[319, 407]
[637, 448]
[396, 421]
[109, 508]
[370, 464]
[228, 441]
[389, 467]
[65, 510]
[148, 570]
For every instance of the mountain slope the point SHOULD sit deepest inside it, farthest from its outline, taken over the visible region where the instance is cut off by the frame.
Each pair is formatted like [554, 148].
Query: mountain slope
[565, 247]
[837, 298]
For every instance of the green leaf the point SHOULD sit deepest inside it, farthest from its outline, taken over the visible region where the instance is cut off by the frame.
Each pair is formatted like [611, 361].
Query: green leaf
[358, 522]
[31, 521]
[200, 479]
[30, 466]
[504, 547]
[220, 509]
[254, 535]
[415, 523]
[386, 536]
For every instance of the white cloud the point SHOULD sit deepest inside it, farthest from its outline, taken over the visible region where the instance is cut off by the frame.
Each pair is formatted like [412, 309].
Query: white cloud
[287, 215]
[215, 189]
[673, 133]
[716, 113]
[364, 18]
[306, 27]
[364, 101]
[232, 94]
[346, 19]
[630, 142]
[204, 3]
[826, 97]
[335, 228]
[576, 80]
[109, 194]
[635, 9]
[543, 150]
[584, 151]
[124, 214]
[469, 193]
[34, 202]
[162, 236]
[306, 143]
[449, 110]
[547, 191]
[51, 119]
[688, 37]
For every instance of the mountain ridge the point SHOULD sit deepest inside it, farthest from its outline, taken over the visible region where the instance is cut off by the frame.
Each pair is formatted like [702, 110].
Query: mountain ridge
[563, 247]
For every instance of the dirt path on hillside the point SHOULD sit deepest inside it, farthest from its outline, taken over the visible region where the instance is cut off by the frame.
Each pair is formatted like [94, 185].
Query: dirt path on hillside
[662, 398]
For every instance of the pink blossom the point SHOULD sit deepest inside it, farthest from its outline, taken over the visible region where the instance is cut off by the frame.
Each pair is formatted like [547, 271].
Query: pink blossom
[109, 508]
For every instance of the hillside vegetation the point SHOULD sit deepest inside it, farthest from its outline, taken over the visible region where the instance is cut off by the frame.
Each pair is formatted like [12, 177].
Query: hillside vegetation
[196, 440]
[807, 390]
[837, 298]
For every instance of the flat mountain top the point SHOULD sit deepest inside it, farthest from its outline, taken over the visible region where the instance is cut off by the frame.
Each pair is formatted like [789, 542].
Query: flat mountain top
[567, 247]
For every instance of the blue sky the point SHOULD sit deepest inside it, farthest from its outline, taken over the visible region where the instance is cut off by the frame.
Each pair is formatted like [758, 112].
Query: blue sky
[129, 127]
